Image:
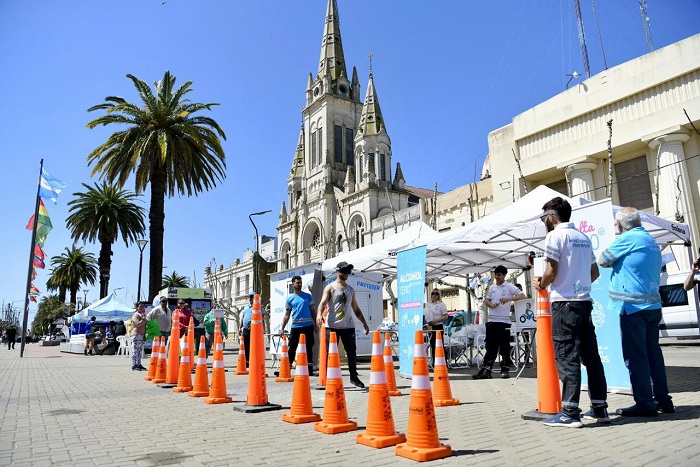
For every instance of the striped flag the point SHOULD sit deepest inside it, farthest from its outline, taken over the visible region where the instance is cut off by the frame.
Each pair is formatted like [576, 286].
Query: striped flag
[44, 226]
[50, 187]
[38, 263]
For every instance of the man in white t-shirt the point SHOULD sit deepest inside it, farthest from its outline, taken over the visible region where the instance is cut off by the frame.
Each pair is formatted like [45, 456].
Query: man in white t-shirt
[570, 270]
[435, 315]
[498, 300]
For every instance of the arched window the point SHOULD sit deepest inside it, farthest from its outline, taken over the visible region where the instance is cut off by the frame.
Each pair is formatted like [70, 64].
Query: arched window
[316, 240]
[340, 243]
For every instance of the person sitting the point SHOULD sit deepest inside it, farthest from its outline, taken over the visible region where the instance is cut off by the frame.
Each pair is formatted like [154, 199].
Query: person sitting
[120, 329]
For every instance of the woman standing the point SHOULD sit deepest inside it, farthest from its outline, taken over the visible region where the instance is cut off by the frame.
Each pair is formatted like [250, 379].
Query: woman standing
[435, 316]
[138, 330]
[90, 329]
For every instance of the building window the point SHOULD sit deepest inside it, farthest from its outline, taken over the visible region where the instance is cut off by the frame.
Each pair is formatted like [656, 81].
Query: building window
[338, 143]
[340, 243]
[349, 147]
[633, 185]
[320, 146]
[382, 167]
[238, 286]
[247, 284]
[316, 240]
[313, 149]
[359, 170]
[370, 160]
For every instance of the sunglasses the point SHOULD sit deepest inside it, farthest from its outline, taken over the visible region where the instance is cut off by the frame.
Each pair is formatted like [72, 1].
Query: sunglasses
[435, 293]
[544, 216]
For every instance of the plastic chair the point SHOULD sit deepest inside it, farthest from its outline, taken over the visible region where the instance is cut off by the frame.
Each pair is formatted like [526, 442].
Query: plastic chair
[479, 344]
[123, 349]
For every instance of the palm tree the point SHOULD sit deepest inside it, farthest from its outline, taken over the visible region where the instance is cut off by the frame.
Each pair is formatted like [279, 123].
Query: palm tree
[50, 308]
[102, 213]
[54, 283]
[164, 145]
[174, 280]
[73, 268]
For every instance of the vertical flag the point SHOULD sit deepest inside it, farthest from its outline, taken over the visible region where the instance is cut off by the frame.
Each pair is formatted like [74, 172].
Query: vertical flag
[50, 187]
[44, 224]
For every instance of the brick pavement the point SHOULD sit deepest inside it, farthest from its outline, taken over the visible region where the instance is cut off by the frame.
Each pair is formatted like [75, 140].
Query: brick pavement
[63, 409]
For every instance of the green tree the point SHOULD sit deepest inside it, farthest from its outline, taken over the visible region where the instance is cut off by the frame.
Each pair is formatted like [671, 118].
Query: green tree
[163, 144]
[73, 268]
[103, 213]
[174, 280]
[54, 284]
[50, 308]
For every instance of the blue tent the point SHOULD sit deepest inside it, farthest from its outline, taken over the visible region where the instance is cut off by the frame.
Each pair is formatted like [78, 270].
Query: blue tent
[105, 310]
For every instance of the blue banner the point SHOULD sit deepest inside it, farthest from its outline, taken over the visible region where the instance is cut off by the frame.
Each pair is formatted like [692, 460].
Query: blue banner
[597, 222]
[411, 292]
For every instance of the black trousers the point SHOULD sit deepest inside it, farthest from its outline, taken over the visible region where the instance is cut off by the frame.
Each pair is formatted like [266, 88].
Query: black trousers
[347, 336]
[246, 344]
[435, 328]
[308, 331]
[497, 341]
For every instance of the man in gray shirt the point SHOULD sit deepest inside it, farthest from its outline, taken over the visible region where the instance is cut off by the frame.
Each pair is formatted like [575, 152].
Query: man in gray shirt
[339, 297]
[163, 315]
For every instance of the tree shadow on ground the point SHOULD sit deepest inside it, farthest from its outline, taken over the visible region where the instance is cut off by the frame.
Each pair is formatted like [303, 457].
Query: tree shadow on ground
[682, 379]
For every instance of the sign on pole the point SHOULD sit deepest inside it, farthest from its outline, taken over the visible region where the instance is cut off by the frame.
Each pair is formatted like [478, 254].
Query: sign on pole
[411, 292]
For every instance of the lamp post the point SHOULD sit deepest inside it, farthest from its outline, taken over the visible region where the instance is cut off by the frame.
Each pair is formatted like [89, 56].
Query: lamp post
[142, 244]
[85, 292]
[256, 278]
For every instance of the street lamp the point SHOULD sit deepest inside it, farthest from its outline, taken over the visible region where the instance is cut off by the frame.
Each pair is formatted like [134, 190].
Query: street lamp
[85, 292]
[256, 275]
[142, 244]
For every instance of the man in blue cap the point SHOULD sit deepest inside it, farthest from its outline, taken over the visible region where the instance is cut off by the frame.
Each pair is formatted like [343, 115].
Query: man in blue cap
[246, 316]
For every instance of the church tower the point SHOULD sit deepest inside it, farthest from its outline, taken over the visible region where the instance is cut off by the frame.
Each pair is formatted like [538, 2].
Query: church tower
[340, 178]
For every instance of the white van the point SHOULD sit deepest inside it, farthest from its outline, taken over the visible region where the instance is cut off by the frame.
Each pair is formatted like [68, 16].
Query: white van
[680, 315]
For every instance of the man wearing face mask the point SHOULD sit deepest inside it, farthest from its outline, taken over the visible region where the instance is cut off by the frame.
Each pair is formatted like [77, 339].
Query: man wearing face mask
[571, 268]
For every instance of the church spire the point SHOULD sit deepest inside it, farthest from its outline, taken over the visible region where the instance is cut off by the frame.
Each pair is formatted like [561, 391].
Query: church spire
[332, 58]
[371, 120]
[298, 164]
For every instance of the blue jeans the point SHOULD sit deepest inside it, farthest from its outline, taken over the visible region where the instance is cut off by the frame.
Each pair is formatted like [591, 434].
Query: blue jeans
[643, 357]
[575, 342]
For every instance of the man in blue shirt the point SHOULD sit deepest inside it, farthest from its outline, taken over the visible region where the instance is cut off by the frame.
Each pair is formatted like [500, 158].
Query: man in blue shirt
[246, 316]
[300, 305]
[635, 258]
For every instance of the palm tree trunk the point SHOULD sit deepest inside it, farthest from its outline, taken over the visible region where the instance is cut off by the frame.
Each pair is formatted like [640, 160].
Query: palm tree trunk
[105, 264]
[62, 294]
[156, 218]
[73, 297]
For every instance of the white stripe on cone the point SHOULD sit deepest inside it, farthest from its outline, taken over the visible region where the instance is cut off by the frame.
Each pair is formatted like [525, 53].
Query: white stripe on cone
[332, 348]
[420, 382]
[419, 351]
[219, 346]
[218, 364]
[438, 343]
[334, 373]
[388, 359]
[184, 359]
[377, 349]
[201, 361]
[440, 361]
[301, 370]
[377, 377]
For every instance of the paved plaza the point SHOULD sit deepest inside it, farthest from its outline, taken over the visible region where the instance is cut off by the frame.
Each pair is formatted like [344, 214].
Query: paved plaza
[65, 409]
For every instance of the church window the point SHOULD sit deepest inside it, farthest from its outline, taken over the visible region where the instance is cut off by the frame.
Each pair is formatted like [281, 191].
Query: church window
[316, 240]
[343, 89]
[340, 243]
[371, 165]
[238, 286]
[313, 149]
[320, 146]
[349, 154]
[359, 169]
[382, 167]
[338, 143]
[247, 284]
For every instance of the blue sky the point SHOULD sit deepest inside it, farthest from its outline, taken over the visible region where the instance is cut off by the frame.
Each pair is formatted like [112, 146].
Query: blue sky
[446, 72]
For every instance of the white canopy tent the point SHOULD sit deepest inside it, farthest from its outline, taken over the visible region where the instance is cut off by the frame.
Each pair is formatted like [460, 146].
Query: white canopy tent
[105, 310]
[506, 237]
[381, 256]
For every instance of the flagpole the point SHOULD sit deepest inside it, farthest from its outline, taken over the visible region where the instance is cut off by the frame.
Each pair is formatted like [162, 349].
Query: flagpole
[31, 262]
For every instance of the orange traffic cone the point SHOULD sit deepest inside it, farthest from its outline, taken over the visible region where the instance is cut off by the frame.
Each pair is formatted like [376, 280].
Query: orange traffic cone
[442, 392]
[153, 363]
[174, 351]
[335, 410]
[285, 371]
[256, 401]
[190, 343]
[302, 409]
[380, 421]
[548, 394]
[162, 369]
[201, 378]
[323, 353]
[217, 392]
[389, 367]
[184, 379]
[241, 369]
[422, 439]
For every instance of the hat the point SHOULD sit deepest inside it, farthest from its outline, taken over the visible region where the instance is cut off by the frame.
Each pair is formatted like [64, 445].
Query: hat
[344, 267]
[252, 293]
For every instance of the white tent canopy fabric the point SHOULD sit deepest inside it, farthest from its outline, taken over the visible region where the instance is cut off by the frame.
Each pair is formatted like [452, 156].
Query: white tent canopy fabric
[105, 310]
[381, 256]
[507, 236]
